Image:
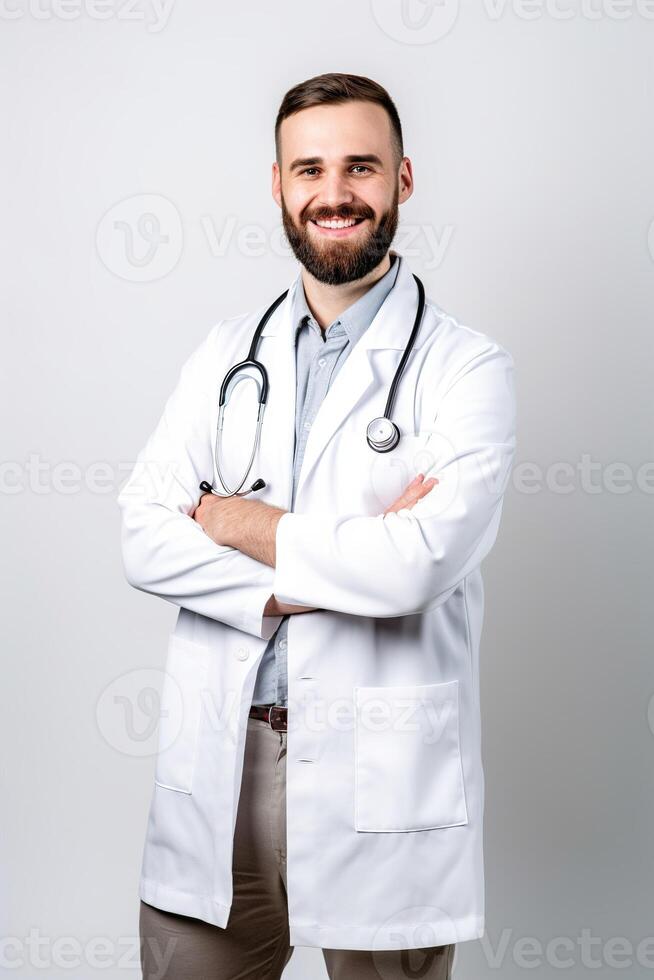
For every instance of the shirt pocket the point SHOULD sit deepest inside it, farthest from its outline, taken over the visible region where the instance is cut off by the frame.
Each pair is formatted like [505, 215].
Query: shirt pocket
[407, 758]
[185, 682]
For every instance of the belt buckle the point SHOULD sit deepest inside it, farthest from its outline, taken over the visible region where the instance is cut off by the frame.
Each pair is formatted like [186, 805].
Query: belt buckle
[277, 708]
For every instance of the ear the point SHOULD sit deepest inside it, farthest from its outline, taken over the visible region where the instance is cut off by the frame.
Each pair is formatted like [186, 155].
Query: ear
[276, 184]
[405, 180]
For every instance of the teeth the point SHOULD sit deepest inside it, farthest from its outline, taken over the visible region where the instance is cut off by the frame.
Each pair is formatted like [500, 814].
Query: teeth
[337, 223]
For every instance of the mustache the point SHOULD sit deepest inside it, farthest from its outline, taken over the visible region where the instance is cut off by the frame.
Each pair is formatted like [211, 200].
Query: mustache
[346, 211]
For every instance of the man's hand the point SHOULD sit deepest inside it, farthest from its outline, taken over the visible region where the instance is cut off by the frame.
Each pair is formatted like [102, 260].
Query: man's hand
[223, 519]
[418, 488]
[213, 514]
[249, 526]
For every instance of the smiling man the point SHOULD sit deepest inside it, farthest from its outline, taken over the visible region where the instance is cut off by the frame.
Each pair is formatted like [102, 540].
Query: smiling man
[319, 780]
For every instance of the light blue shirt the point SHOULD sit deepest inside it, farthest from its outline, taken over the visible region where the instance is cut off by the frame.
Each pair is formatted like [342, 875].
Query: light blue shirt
[318, 360]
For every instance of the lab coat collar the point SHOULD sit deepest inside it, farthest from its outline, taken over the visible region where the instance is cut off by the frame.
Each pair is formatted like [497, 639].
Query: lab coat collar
[391, 326]
[358, 316]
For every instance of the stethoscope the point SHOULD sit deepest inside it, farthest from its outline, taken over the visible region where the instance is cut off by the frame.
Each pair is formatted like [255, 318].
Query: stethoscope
[382, 434]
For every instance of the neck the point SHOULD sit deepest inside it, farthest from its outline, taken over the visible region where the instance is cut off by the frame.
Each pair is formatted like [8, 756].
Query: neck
[328, 302]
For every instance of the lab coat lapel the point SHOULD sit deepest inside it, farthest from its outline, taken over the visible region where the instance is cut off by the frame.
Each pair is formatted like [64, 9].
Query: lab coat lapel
[376, 353]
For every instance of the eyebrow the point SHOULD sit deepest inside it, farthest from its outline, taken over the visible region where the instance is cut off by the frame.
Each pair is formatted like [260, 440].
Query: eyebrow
[352, 158]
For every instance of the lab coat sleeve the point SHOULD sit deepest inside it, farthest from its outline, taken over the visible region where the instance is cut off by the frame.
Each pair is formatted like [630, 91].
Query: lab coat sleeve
[404, 563]
[167, 553]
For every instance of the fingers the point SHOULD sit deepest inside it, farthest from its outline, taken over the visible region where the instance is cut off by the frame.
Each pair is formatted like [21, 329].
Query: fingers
[418, 488]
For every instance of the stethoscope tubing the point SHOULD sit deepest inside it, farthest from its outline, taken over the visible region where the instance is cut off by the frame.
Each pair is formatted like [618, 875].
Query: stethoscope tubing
[251, 362]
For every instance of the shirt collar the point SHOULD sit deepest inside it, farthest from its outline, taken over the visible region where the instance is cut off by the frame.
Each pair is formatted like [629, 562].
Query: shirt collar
[356, 318]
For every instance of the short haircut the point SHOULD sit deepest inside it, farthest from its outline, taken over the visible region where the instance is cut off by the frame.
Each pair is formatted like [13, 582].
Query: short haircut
[337, 87]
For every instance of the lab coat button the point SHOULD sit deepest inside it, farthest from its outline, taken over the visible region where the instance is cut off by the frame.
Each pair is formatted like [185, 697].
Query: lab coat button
[242, 653]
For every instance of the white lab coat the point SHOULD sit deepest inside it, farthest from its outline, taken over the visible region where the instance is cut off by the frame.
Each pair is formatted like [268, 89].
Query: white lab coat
[385, 785]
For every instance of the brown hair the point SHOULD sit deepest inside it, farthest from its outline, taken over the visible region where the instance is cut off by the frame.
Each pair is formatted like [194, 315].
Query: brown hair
[337, 87]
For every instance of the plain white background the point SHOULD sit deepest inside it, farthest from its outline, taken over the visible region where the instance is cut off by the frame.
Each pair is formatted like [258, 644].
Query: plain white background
[136, 160]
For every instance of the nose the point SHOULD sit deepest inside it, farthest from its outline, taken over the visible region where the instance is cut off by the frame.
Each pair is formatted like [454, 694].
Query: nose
[334, 191]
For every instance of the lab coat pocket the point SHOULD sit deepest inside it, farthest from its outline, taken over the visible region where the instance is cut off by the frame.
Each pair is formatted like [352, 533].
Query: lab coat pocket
[185, 682]
[408, 769]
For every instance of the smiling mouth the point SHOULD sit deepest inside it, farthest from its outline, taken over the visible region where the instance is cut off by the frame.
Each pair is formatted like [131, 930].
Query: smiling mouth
[336, 226]
[337, 222]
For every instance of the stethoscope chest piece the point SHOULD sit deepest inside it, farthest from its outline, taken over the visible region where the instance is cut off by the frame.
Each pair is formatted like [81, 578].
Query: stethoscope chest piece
[382, 435]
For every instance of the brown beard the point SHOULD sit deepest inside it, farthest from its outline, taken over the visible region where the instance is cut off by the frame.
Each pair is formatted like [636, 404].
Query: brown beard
[337, 262]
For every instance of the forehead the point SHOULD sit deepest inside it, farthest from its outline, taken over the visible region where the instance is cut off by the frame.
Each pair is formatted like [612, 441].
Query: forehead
[336, 130]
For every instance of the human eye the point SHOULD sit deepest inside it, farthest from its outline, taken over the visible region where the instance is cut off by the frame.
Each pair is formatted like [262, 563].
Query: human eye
[360, 166]
[307, 169]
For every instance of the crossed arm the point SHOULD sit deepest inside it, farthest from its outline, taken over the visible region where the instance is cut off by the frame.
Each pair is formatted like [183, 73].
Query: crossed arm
[250, 526]
[230, 559]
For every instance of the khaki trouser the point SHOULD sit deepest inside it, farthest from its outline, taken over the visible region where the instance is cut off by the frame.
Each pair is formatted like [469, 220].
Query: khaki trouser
[255, 943]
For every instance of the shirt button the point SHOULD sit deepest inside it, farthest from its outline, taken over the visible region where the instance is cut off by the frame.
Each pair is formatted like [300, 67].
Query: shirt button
[307, 425]
[282, 644]
[242, 653]
[322, 361]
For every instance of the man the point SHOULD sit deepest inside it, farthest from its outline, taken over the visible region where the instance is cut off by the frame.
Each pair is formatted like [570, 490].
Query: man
[363, 606]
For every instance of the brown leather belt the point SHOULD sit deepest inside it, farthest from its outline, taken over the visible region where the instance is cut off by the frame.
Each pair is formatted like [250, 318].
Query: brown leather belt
[274, 714]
